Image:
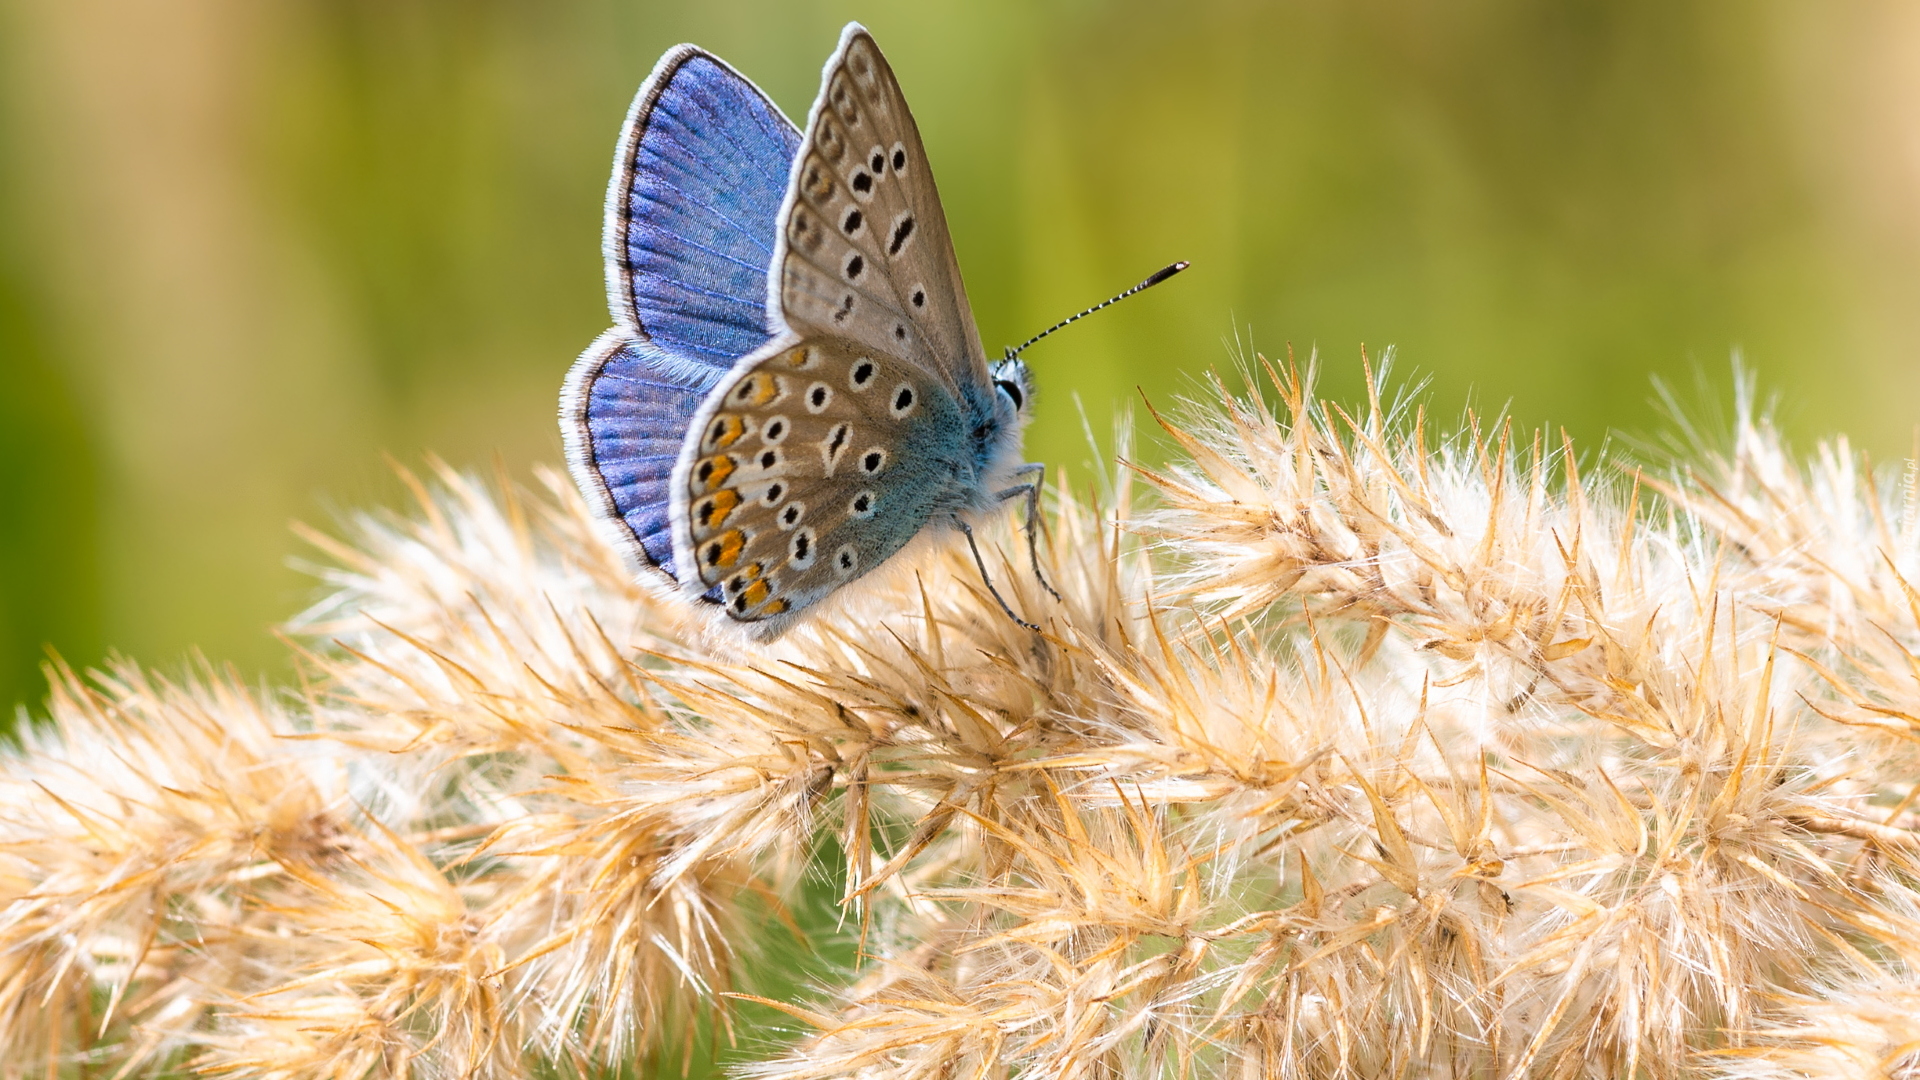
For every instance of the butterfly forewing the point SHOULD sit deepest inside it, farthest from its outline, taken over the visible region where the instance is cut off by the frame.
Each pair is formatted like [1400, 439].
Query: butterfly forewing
[865, 253]
[812, 468]
[692, 210]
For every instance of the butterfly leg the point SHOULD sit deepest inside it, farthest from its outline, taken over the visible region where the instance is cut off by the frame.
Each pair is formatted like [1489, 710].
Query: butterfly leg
[988, 581]
[1031, 490]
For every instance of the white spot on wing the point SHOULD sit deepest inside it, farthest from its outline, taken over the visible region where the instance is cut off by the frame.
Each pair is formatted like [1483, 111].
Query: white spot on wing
[835, 445]
[903, 401]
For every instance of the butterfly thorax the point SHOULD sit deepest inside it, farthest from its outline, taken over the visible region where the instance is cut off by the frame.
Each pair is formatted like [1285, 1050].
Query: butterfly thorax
[999, 416]
[997, 421]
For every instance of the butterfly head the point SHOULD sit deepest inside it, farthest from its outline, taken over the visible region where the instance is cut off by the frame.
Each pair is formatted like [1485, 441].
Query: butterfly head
[1014, 383]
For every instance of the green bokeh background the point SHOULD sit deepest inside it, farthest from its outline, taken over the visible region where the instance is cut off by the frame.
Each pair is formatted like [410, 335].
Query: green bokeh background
[247, 248]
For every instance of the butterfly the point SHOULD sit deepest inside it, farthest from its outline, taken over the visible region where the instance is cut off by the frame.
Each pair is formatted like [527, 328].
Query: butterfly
[794, 387]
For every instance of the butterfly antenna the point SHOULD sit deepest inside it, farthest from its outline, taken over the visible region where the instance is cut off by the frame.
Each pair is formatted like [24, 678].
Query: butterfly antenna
[1159, 276]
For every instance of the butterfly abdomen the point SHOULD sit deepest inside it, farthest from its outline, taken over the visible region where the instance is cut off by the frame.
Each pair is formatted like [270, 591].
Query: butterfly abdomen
[994, 449]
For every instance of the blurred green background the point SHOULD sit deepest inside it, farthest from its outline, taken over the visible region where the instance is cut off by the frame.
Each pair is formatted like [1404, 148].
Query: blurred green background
[246, 248]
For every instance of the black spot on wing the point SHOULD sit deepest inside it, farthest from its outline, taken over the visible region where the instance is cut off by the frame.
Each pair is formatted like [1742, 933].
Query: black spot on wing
[901, 234]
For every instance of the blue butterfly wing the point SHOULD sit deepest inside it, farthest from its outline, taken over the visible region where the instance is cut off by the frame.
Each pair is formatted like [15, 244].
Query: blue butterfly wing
[624, 413]
[693, 210]
[692, 213]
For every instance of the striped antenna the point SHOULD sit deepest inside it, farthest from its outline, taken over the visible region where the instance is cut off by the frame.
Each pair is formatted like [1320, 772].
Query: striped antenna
[1159, 276]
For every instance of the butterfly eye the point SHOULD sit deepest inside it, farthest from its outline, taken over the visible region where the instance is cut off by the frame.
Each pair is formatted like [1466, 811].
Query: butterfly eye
[1012, 390]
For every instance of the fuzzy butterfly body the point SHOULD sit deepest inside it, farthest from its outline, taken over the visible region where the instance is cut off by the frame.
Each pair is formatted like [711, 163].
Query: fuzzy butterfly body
[794, 387]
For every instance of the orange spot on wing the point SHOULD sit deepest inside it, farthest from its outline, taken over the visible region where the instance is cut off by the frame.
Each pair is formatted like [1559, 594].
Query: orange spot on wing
[724, 550]
[724, 431]
[713, 510]
[713, 472]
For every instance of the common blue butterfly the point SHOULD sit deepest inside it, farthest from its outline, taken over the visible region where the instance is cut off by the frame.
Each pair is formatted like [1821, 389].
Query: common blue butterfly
[793, 387]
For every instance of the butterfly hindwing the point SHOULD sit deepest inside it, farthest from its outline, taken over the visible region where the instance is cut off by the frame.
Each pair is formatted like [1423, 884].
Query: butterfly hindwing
[624, 414]
[808, 470]
[864, 250]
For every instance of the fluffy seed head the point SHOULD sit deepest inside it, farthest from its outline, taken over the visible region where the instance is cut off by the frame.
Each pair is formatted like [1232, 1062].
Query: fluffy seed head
[1353, 748]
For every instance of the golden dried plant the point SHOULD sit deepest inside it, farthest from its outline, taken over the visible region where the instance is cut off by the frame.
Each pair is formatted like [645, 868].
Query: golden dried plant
[1355, 751]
